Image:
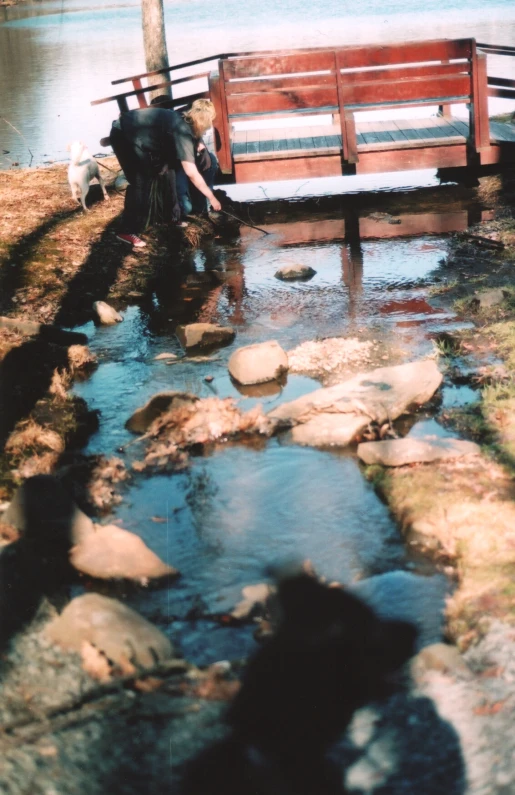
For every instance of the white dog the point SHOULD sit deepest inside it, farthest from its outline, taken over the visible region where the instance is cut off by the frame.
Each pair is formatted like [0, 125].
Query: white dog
[82, 169]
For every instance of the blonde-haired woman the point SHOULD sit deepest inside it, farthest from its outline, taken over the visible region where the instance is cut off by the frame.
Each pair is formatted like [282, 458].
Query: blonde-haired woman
[192, 199]
[158, 140]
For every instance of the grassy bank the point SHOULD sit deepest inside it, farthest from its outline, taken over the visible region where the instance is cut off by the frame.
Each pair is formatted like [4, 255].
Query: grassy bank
[463, 512]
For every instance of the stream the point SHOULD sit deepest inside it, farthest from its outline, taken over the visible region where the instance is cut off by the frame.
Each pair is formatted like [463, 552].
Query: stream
[241, 508]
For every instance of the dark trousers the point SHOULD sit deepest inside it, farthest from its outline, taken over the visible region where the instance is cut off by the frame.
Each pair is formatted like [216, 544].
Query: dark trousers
[191, 200]
[140, 172]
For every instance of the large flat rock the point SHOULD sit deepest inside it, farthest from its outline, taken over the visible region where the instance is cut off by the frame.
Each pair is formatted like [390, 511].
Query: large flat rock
[112, 628]
[399, 452]
[336, 415]
[111, 553]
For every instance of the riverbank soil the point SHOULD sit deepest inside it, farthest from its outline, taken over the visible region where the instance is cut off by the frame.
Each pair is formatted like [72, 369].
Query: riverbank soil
[61, 731]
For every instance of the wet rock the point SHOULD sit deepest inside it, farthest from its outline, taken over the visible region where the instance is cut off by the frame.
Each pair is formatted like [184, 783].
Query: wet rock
[110, 553]
[198, 424]
[484, 299]
[337, 415]
[204, 335]
[106, 315]
[41, 508]
[399, 452]
[253, 595]
[116, 630]
[256, 364]
[163, 356]
[143, 418]
[291, 272]
[440, 657]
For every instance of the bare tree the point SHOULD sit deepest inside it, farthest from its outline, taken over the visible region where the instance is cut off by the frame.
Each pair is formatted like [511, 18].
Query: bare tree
[154, 39]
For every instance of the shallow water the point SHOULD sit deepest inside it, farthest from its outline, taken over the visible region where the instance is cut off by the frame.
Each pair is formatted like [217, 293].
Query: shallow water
[240, 508]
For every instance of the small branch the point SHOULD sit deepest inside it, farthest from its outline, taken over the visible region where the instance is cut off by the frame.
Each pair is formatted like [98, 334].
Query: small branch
[241, 221]
[21, 136]
[73, 705]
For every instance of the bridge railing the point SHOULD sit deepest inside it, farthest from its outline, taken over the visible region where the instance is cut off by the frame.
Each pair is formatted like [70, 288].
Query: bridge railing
[502, 87]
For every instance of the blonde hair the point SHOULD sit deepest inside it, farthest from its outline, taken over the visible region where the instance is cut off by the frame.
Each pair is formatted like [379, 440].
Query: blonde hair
[200, 116]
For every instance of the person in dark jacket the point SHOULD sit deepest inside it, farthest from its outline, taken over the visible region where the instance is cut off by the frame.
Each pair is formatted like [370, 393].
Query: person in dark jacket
[156, 140]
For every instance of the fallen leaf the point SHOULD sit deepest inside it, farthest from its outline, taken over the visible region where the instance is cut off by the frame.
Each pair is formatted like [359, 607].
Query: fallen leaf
[490, 709]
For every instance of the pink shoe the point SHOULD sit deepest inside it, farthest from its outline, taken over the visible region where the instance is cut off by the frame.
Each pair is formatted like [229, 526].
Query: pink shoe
[132, 240]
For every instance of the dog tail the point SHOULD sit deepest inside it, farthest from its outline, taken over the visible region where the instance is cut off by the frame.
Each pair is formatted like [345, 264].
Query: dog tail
[76, 150]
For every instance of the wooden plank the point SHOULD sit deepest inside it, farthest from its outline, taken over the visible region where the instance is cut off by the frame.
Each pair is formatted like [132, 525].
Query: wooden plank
[421, 143]
[403, 91]
[289, 168]
[453, 155]
[407, 72]
[497, 153]
[405, 52]
[504, 93]
[221, 128]
[461, 127]
[142, 100]
[279, 64]
[290, 83]
[306, 141]
[479, 123]
[301, 98]
[502, 132]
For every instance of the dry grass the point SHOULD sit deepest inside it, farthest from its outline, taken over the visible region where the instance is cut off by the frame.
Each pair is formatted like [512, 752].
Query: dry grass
[29, 436]
[201, 423]
[81, 359]
[464, 512]
[43, 464]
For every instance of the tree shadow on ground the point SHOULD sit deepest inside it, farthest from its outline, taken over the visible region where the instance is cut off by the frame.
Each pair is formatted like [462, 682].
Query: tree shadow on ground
[12, 274]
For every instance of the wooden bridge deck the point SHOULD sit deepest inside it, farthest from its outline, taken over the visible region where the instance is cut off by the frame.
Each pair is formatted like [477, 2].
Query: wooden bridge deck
[288, 152]
[371, 136]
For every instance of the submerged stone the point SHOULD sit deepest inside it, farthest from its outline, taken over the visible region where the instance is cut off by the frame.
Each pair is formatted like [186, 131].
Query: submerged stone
[158, 404]
[256, 364]
[114, 629]
[337, 415]
[204, 335]
[292, 272]
[399, 452]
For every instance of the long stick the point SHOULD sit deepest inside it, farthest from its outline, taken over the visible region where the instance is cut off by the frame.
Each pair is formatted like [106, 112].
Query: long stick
[252, 226]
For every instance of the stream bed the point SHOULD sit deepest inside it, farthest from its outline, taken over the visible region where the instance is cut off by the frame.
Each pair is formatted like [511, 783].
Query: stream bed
[239, 509]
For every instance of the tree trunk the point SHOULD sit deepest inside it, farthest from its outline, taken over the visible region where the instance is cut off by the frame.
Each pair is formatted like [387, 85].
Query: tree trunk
[154, 42]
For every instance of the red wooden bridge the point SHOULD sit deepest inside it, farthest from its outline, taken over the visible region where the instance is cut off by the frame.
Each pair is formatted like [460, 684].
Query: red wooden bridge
[296, 113]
